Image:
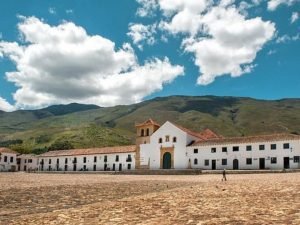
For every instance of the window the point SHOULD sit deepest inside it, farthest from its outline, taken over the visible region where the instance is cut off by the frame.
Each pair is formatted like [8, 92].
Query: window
[249, 148]
[195, 161]
[195, 150]
[84, 159]
[235, 148]
[224, 162]
[49, 161]
[95, 158]
[129, 166]
[117, 158]
[296, 159]
[147, 132]
[142, 132]
[213, 150]
[29, 160]
[75, 160]
[57, 161]
[129, 159]
[11, 159]
[206, 162]
[261, 147]
[249, 161]
[273, 146]
[174, 139]
[66, 160]
[286, 146]
[167, 138]
[105, 158]
[273, 160]
[25, 160]
[160, 140]
[5, 158]
[224, 149]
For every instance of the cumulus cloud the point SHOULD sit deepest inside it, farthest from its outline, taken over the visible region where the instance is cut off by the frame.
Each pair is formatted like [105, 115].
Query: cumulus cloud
[222, 39]
[141, 34]
[5, 105]
[147, 8]
[63, 64]
[273, 4]
[294, 17]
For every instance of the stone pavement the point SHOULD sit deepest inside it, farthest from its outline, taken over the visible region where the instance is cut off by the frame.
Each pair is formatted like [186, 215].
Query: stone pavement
[109, 199]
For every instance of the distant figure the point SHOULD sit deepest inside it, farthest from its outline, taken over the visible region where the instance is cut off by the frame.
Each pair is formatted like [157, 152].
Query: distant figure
[224, 175]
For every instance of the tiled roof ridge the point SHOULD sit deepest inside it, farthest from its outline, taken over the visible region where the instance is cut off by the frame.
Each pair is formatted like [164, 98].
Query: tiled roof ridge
[248, 138]
[91, 151]
[7, 150]
[148, 121]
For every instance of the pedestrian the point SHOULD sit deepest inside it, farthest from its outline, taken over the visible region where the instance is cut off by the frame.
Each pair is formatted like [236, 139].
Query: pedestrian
[224, 175]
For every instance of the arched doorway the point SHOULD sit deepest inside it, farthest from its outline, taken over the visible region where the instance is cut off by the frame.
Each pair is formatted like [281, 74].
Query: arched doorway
[235, 164]
[167, 160]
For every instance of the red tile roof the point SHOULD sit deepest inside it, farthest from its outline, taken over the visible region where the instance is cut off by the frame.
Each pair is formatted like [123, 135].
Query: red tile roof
[249, 139]
[7, 150]
[90, 151]
[204, 135]
[148, 122]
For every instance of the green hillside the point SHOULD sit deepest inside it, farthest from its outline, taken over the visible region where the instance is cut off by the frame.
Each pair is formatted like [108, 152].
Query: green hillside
[89, 127]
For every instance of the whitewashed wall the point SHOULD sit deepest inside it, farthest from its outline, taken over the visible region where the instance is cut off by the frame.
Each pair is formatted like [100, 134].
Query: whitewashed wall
[27, 162]
[89, 165]
[204, 153]
[151, 152]
[10, 164]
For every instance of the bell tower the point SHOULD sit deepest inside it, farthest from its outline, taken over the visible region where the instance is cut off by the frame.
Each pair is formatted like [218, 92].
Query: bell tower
[143, 132]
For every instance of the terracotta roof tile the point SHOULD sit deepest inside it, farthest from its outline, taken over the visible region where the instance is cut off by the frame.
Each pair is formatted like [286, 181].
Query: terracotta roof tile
[248, 139]
[90, 151]
[148, 122]
[7, 150]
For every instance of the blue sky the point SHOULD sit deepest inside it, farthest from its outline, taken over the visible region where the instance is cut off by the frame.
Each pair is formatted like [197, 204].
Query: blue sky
[122, 52]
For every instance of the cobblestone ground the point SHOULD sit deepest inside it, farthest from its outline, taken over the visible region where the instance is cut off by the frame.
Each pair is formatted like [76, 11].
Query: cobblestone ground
[132, 199]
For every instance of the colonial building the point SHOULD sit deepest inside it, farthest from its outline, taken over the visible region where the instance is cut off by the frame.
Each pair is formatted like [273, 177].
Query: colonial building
[27, 162]
[169, 146]
[92, 159]
[174, 147]
[8, 160]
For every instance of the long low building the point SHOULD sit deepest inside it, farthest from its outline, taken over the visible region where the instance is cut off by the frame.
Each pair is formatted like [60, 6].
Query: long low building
[169, 146]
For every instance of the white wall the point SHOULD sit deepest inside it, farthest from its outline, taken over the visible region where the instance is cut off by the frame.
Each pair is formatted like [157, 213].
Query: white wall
[204, 153]
[10, 163]
[89, 165]
[27, 162]
[151, 152]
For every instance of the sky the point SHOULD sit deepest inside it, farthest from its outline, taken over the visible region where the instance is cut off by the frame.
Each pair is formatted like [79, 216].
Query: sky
[113, 52]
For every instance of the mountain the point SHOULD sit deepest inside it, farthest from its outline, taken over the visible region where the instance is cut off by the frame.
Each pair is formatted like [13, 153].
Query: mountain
[81, 126]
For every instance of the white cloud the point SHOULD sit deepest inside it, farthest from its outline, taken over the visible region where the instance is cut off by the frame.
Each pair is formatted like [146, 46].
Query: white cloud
[147, 8]
[63, 64]
[141, 34]
[52, 10]
[5, 105]
[273, 4]
[69, 11]
[222, 39]
[286, 38]
[294, 17]
[272, 52]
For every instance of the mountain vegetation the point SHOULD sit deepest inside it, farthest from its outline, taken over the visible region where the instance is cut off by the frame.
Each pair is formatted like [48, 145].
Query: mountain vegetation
[81, 126]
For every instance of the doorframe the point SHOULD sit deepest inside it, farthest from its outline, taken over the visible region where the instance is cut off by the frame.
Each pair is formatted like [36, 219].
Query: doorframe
[289, 165]
[163, 150]
[260, 159]
[215, 164]
[233, 164]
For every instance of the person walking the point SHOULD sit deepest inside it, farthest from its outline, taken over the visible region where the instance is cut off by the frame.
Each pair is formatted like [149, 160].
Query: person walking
[224, 175]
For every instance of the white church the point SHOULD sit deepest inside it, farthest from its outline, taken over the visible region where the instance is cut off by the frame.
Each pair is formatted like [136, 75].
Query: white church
[168, 146]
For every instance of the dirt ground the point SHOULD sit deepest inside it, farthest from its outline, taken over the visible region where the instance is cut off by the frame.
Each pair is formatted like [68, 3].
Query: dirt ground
[135, 199]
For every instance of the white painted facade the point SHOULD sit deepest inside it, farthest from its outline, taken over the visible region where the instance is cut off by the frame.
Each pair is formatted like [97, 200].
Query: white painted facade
[207, 155]
[8, 160]
[150, 152]
[27, 162]
[204, 156]
[93, 162]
